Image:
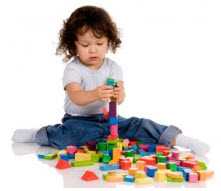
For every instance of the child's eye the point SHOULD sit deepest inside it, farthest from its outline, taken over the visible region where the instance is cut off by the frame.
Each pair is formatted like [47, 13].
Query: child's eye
[84, 45]
[100, 44]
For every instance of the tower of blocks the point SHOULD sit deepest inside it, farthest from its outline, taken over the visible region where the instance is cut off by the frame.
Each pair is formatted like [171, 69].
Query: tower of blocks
[112, 114]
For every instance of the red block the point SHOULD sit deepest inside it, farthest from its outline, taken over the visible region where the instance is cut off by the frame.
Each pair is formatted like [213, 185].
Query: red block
[125, 164]
[149, 160]
[89, 176]
[188, 164]
[62, 164]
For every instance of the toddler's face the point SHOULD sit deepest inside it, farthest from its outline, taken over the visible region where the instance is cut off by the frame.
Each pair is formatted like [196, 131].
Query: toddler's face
[90, 49]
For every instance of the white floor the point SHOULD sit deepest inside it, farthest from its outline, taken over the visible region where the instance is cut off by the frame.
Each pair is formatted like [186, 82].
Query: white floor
[24, 171]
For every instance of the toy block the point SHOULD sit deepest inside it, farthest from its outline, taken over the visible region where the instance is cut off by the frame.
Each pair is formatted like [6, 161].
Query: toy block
[140, 164]
[114, 130]
[149, 160]
[106, 167]
[89, 176]
[161, 166]
[106, 158]
[175, 155]
[188, 164]
[116, 155]
[102, 146]
[162, 149]
[204, 175]
[144, 180]
[174, 176]
[125, 164]
[66, 156]
[113, 120]
[193, 177]
[48, 156]
[144, 147]
[151, 147]
[62, 164]
[111, 82]
[82, 163]
[140, 174]
[132, 142]
[201, 165]
[160, 176]
[132, 171]
[172, 166]
[150, 171]
[95, 157]
[111, 146]
[82, 157]
[112, 108]
[161, 159]
[129, 153]
[136, 157]
[114, 178]
[71, 149]
[129, 178]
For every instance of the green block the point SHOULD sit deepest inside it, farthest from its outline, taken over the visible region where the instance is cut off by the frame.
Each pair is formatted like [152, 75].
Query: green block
[135, 158]
[129, 154]
[102, 146]
[161, 159]
[111, 146]
[172, 166]
[106, 158]
[82, 163]
[178, 180]
[95, 157]
[202, 165]
[111, 82]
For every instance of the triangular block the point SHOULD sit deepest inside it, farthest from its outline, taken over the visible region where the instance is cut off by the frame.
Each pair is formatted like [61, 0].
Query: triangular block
[89, 176]
[62, 164]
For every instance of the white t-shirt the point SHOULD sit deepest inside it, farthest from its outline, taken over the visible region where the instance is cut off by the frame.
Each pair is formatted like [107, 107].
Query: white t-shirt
[88, 79]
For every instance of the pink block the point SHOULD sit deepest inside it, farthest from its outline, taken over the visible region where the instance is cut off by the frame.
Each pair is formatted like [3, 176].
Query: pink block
[193, 177]
[114, 130]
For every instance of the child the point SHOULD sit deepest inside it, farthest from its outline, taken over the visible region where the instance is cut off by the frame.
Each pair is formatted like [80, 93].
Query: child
[84, 41]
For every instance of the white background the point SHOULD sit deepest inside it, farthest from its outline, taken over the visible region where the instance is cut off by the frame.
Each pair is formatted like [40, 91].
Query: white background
[170, 57]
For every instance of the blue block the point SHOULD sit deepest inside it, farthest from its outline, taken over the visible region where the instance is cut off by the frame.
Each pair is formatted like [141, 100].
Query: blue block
[129, 178]
[106, 167]
[152, 148]
[151, 171]
[113, 121]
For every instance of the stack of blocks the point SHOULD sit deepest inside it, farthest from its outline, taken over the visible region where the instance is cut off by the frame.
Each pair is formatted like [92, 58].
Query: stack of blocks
[141, 163]
[112, 115]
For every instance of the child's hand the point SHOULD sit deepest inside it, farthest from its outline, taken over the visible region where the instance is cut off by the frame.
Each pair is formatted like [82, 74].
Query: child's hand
[104, 92]
[119, 91]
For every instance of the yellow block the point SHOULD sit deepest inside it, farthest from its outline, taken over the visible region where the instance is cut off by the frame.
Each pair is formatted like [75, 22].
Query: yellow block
[160, 176]
[145, 180]
[140, 174]
[82, 156]
[132, 171]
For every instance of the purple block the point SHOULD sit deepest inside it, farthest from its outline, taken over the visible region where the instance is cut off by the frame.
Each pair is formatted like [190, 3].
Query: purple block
[112, 109]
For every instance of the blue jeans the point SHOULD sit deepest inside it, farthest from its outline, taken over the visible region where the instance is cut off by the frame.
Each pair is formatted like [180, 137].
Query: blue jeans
[79, 130]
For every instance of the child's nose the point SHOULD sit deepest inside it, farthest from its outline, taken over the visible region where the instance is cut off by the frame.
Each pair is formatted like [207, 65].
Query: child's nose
[92, 49]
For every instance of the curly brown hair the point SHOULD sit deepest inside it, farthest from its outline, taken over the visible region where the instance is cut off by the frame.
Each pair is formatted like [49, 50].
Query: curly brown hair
[81, 20]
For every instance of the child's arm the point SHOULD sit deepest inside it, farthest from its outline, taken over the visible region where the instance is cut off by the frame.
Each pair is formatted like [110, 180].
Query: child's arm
[81, 97]
[119, 92]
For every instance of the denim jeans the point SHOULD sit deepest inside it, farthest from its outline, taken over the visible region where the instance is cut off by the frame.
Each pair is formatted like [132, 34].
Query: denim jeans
[79, 130]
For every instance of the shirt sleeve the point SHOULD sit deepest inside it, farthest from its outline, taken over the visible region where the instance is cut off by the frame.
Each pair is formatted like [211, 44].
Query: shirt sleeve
[71, 74]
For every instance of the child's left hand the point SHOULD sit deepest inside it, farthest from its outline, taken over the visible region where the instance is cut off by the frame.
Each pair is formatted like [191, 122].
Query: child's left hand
[119, 92]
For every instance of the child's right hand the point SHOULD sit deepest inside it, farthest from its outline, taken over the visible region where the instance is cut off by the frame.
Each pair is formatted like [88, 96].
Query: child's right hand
[104, 92]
